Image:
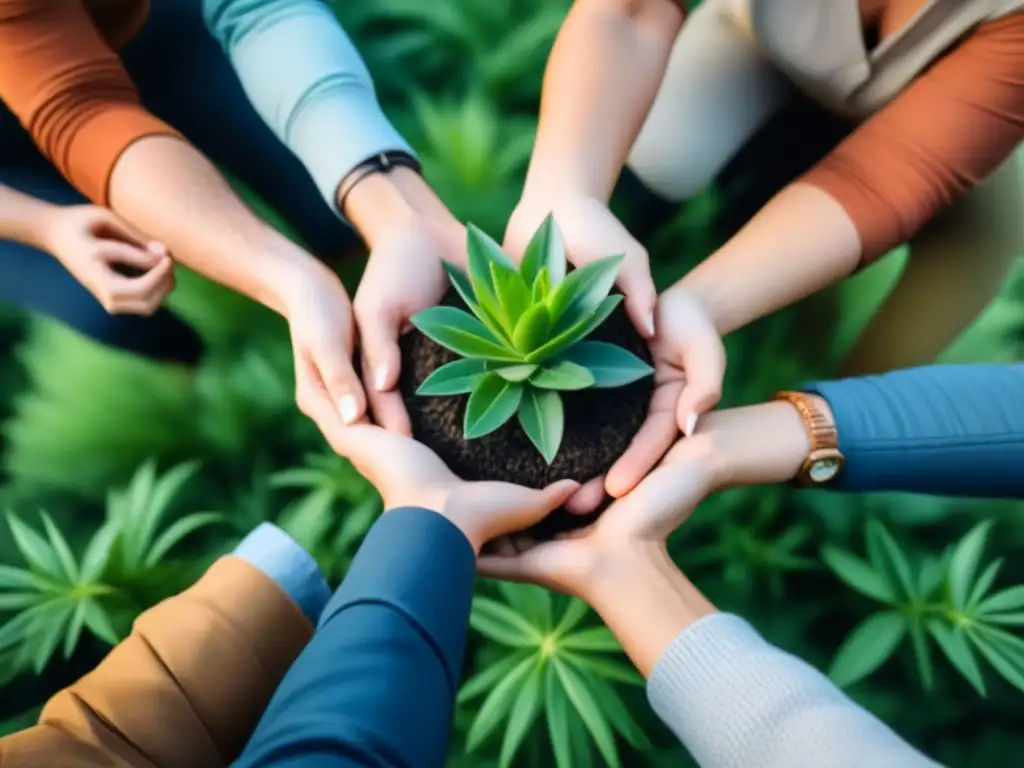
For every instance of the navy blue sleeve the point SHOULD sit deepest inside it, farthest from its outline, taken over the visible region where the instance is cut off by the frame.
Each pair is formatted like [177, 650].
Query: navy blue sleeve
[376, 685]
[947, 430]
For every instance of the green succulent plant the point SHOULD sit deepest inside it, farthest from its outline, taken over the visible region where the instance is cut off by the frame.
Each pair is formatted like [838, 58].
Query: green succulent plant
[525, 341]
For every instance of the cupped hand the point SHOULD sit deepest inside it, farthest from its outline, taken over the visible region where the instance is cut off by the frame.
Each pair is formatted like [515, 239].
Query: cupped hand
[591, 232]
[689, 366]
[641, 521]
[404, 275]
[127, 272]
[407, 473]
[319, 314]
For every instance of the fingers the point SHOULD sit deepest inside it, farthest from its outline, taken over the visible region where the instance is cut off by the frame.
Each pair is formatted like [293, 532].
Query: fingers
[656, 436]
[588, 498]
[379, 331]
[122, 254]
[332, 410]
[140, 295]
[515, 568]
[704, 363]
[638, 287]
[506, 508]
[109, 225]
[338, 380]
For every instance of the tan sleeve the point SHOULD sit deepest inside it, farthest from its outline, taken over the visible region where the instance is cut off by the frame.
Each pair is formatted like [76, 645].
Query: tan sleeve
[69, 90]
[940, 137]
[186, 688]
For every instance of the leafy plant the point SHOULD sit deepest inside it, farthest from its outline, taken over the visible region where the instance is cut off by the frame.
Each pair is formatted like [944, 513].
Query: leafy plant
[552, 664]
[946, 599]
[524, 342]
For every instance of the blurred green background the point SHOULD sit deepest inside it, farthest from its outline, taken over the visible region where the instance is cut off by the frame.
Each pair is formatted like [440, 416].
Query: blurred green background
[123, 479]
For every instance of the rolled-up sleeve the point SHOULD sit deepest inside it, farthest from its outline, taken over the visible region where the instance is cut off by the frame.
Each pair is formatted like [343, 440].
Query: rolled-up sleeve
[307, 81]
[943, 135]
[70, 91]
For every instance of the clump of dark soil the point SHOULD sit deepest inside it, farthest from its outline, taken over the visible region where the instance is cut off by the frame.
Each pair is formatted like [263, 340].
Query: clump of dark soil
[599, 423]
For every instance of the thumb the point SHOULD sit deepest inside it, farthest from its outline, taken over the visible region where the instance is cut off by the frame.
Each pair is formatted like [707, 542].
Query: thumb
[638, 287]
[704, 362]
[340, 382]
[512, 508]
[379, 330]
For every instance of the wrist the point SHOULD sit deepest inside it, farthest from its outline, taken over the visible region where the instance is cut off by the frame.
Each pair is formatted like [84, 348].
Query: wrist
[754, 445]
[36, 224]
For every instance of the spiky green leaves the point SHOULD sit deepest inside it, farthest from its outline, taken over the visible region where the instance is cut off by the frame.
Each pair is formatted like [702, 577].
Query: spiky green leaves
[523, 337]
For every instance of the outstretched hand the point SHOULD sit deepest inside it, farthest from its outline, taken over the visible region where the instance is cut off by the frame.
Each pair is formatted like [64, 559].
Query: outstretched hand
[641, 520]
[407, 473]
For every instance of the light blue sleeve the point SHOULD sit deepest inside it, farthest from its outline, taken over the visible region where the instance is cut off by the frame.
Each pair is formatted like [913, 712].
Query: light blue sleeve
[306, 79]
[735, 701]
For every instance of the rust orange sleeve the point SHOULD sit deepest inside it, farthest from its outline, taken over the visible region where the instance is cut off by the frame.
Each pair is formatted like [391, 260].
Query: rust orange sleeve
[186, 688]
[70, 91]
[952, 126]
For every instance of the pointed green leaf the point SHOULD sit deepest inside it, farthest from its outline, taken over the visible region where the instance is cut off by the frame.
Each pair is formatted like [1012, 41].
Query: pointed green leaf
[888, 559]
[1013, 619]
[546, 250]
[532, 329]
[97, 553]
[579, 331]
[177, 531]
[1010, 599]
[74, 633]
[922, 652]
[462, 333]
[587, 708]
[1004, 657]
[572, 616]
[963, 566]
[615, 710]
[61, 549]
[98, 622]
[531, 602]
[867, 647]
[485, 680]
[954, 645]
[557, 712]
[497, 704]
[984, 584]
[543, 420]
[33, 547]
[19, 628]
[857, 574]
[501, 624]
[541, 287]
[584, 289]
[592, 639]
[456, 378]
[22, 578]
[610, 365]
[49, 634]
[15, 601]
[491, 404]
[516, 373]
[607, 668]
[486, 247]
[524, 713]
[513, 294]
[563, 375]
[464, 288]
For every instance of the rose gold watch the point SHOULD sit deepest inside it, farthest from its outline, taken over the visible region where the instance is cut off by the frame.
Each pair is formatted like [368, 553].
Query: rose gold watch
[825, 461]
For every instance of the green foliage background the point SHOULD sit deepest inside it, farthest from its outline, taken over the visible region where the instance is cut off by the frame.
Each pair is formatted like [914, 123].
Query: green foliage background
[147, 473]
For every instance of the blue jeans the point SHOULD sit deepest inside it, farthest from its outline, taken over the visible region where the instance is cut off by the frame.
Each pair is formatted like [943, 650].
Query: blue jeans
[184, 78]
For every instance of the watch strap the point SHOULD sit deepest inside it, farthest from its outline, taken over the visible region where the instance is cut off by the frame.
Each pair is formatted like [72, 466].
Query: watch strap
[821, 426]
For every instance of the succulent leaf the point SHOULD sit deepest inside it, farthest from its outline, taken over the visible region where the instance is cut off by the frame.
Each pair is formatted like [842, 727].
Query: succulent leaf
[516, 372]
[542, 417]
[573, 334]
[541, 286]
[513, 295]
[611, 365]
[491, 404]
[532, 329]
[546, 249]
[585, 288]
[564, 375]
[462, 333]
[455, 378]
[464, 288]
[481, 241]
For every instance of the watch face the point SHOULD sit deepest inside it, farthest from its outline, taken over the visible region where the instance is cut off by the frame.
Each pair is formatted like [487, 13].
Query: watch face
[823, 470]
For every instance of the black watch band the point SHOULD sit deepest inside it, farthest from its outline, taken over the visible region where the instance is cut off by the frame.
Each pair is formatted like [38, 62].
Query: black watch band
[380, 163]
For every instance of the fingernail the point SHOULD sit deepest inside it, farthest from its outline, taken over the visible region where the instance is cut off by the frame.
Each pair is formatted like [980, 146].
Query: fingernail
[691, 424]
[380, 378]
[650, 323]
[349, 409]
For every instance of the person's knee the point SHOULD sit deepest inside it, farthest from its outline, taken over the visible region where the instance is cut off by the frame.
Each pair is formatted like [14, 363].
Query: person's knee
[673, 168]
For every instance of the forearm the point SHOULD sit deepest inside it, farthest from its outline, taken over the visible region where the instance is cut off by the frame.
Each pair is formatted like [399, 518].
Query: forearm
[954, 430]
[24, 218]
[802, 241]
[169, 190]
[601, 80]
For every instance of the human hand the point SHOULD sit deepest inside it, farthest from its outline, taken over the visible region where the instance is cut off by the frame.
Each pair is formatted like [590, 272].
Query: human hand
[405, 275]
[319, 314]
[591, 232]
[127, 272]
[689, 365]
[407, 473]
[633, 529]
